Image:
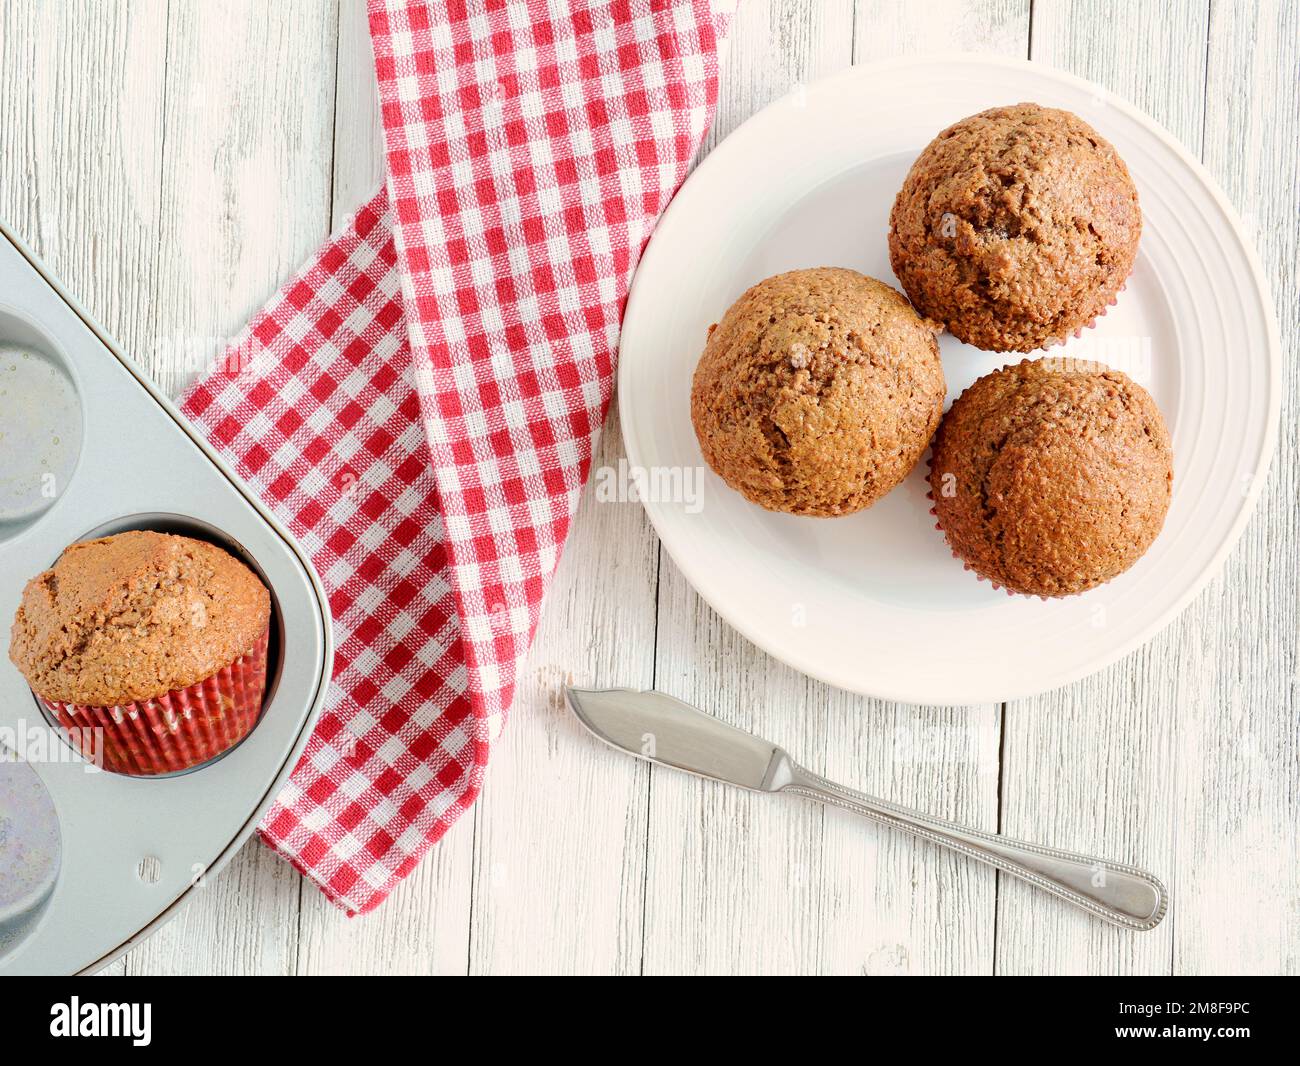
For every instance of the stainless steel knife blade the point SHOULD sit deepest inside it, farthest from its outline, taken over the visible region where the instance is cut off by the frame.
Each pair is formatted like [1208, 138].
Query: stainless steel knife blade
[657, 727]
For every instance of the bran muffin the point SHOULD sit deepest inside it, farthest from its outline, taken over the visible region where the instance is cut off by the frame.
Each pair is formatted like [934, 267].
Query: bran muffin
[1015, 227]
[1052, 476]
[157, 639]
[817, 392]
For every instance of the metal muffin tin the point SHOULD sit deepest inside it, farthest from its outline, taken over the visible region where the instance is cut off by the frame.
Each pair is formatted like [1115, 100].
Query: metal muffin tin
[91, 862]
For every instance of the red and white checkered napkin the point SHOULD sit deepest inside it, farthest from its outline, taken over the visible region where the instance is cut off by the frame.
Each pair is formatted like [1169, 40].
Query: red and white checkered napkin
[419, 404]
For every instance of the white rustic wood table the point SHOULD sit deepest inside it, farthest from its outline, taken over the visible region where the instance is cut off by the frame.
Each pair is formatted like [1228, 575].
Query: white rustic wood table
[174, 160]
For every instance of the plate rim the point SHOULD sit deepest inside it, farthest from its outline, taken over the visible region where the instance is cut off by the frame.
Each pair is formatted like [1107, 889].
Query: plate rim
[658, 515]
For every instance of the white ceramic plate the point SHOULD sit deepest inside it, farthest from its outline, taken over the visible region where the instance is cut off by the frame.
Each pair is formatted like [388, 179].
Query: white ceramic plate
[875, 602]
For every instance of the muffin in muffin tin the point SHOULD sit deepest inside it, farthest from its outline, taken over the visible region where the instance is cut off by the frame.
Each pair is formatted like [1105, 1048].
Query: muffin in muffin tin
[153, 642]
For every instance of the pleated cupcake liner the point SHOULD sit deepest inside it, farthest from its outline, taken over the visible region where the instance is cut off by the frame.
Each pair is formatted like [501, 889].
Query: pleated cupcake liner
[181, 730]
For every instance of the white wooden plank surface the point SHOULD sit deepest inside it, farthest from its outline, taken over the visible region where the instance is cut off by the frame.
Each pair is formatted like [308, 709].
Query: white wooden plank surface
[173, 162]
[885, 29]
[1237, 820]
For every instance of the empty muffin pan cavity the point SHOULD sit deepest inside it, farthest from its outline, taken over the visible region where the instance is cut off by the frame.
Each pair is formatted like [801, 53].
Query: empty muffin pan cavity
[30, 849]
[41, 424]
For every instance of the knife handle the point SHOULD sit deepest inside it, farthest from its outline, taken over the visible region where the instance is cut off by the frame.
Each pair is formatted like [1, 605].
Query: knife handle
[1118, 893]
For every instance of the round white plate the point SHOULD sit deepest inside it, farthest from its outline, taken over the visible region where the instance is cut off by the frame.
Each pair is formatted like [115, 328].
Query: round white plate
[875, 602]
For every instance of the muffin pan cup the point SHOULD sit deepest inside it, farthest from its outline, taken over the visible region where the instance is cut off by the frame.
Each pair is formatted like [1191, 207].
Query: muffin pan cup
[89, 447]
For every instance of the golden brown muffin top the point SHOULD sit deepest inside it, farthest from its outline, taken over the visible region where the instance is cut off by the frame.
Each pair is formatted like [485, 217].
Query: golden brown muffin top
[1015, 227]
[134, 616]
[1052, 476]
[817, 392]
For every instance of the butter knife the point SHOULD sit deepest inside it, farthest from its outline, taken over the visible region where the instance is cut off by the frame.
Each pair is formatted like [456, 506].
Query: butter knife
[661, 729]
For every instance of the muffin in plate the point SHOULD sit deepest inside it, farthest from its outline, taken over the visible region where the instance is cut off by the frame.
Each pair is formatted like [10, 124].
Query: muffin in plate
[1052, 476]
[817, 392]
[148, 648]
[1015, 228]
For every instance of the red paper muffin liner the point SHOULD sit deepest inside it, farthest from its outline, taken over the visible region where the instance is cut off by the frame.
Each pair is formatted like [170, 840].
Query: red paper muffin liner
[183, 729]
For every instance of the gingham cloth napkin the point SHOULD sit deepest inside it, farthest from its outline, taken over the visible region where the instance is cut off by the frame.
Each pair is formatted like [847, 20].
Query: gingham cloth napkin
[419, 404]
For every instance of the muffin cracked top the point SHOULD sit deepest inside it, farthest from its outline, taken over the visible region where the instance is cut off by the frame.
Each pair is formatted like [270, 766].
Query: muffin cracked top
[134, 616]
[817, 392]
[1053, 476]
[1015, 227]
